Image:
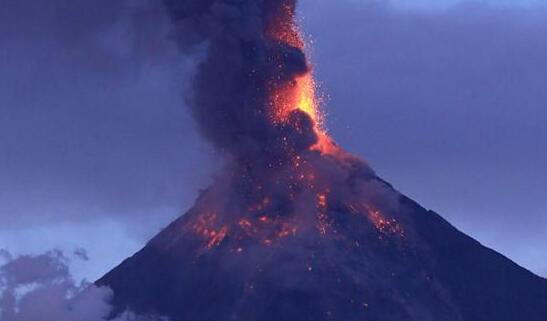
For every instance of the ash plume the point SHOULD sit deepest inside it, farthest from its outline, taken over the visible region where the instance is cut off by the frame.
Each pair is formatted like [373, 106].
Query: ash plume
[245, 62]
[253, 97]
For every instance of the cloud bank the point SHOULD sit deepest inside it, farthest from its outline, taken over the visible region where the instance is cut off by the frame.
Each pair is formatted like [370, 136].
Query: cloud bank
[41, 287]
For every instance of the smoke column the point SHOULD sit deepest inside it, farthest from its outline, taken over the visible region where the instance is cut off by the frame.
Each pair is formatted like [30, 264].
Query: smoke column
[253, 95]
[293, 228]
[253, 98]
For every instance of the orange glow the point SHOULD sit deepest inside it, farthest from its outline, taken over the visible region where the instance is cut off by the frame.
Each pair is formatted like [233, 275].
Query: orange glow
[321, 200]
[205, 227]
[205, 224]
[381, 223]
[285, 29]
[301, 94]
[384, 225]
[307, 102]
[298, 95]
[217, 237]
[272, 230]
[286, 230]
[247, 226]
[325, 144]
[323, 224]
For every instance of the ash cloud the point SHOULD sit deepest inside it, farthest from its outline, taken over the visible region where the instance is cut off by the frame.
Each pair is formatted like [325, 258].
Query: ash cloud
[41, 287]
[242, 65]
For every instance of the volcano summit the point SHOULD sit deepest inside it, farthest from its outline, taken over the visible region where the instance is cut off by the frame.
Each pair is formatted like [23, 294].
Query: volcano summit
[294, 228]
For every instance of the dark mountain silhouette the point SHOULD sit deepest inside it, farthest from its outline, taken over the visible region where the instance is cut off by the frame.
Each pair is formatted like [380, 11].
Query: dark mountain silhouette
[412, 265]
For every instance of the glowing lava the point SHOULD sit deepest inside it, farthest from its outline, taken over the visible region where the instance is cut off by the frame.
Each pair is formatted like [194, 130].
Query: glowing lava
[301, 93]
[268, 215]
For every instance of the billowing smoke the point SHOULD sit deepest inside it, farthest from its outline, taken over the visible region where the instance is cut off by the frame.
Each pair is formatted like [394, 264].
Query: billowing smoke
[287, 194]
[248, 58]
[254, 99]
[41, 287]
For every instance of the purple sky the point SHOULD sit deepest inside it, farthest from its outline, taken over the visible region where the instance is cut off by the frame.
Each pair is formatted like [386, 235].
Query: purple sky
[97, 150]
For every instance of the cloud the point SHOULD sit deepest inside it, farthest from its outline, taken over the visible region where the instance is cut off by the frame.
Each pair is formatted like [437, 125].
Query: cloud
[40, 287]
[91, 117]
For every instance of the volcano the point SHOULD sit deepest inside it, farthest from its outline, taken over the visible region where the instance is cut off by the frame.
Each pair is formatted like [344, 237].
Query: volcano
[294, 228]
[356, 265]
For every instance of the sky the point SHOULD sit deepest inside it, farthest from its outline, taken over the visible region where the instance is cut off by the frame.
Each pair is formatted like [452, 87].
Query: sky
[97, 151]
[441, 4]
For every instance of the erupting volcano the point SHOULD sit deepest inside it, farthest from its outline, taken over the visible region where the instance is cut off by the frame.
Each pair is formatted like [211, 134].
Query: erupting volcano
[294, 228]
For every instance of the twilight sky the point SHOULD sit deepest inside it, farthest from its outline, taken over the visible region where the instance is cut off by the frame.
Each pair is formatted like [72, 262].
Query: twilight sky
[447, 102]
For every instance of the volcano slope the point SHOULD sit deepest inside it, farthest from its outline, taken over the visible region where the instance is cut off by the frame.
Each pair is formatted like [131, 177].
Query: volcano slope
[376, 255]
[294, 228]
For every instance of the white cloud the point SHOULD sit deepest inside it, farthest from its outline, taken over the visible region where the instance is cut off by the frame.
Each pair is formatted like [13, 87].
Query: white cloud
[41, 287]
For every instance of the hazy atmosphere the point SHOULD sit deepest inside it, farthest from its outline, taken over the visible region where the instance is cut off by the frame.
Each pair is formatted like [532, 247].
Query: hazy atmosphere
[446, 102]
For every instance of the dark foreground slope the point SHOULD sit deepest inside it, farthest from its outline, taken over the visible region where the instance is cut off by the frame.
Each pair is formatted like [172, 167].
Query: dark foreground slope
[361, 265]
